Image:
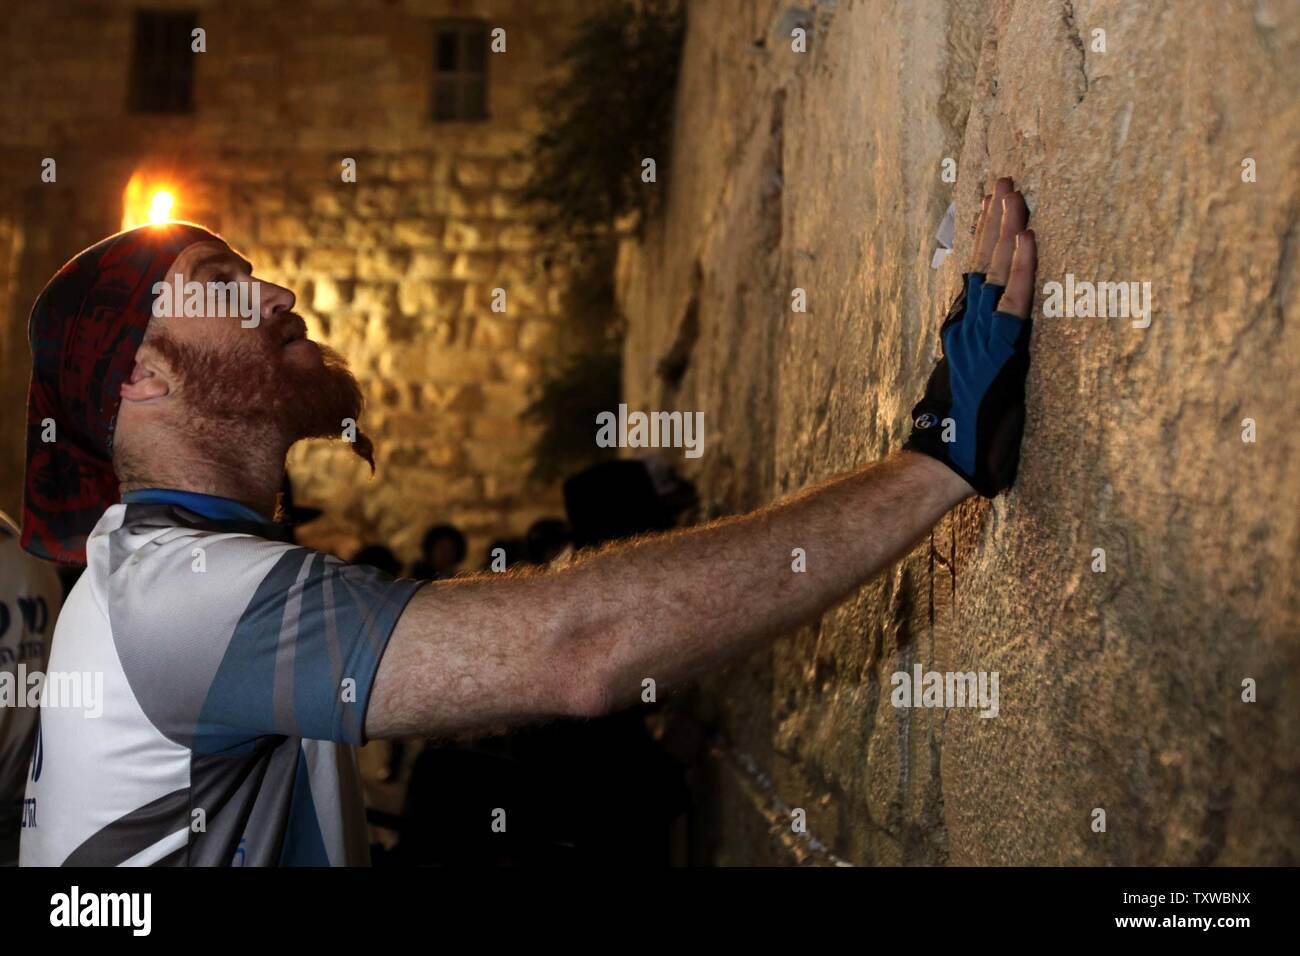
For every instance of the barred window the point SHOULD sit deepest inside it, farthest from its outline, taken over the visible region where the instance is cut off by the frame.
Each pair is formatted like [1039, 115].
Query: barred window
[460, 70]
[162, 64]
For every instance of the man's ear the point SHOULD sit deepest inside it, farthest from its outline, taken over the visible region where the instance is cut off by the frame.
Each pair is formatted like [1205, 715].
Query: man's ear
[144, 384]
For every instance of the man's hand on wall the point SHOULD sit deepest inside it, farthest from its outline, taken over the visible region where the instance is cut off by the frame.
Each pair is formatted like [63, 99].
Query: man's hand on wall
[973, 412]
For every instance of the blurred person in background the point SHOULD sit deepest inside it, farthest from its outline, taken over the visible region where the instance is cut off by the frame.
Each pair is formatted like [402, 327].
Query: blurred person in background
[30, 598]
[546, 540]
[441, 553]
[381, 557]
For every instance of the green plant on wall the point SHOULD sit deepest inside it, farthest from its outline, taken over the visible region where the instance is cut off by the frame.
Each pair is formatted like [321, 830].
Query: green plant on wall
[610, 109]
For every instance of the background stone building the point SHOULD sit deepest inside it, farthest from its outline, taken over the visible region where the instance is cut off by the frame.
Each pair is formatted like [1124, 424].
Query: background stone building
[395, 270]
[1120, 690]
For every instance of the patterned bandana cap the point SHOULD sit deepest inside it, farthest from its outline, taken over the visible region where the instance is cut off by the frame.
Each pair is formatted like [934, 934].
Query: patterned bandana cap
[85, 328]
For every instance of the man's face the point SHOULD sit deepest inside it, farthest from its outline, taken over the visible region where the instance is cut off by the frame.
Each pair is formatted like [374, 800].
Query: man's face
[259, 370]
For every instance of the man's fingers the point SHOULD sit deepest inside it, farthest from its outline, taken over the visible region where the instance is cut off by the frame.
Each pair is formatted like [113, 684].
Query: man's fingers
[1014, 216]
[1018, 298]
[979, 230]
[990, 226]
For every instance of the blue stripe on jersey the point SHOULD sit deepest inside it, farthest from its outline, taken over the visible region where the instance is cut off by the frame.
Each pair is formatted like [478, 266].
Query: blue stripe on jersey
[304, 654]
[210, 506]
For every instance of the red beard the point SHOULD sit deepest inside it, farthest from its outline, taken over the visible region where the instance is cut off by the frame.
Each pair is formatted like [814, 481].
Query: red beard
[255, 385]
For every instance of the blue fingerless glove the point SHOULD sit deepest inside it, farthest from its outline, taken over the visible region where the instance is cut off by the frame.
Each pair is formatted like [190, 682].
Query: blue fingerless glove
[973, 411]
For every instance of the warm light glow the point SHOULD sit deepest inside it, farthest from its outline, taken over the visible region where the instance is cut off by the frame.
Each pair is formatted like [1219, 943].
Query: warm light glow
[151, 197]
[160, 206]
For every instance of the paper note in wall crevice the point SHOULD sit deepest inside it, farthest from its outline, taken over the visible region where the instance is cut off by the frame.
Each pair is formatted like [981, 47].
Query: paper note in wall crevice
[945, 236]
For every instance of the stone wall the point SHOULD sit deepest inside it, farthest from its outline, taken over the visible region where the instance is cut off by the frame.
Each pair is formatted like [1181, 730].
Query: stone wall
[395, 270]
[1120, 690]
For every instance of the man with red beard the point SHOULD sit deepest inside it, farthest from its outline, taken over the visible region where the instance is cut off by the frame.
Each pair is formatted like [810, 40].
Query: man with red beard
[237, 667]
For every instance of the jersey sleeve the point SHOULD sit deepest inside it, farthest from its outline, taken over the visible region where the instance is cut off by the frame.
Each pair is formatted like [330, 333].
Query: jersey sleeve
[226, 638]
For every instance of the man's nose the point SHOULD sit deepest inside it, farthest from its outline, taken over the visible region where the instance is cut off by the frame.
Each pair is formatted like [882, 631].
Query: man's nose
[275, 299]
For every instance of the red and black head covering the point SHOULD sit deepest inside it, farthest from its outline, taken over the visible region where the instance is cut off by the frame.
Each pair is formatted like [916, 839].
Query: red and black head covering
[85, 328]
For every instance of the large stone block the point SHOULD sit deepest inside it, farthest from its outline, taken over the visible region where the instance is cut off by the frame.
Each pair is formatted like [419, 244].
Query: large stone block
[411, 167]
[537, 336]
[329, 295]
[417, 296]
[328, 203]
[366, 233]
[513, 174]
[429, 264]
[378, 297]
[468, 236]
[475, 173]
[493, 332]
[443, 397]
[284, 229]
[383, 264]
[517, 238]
[465, 205]
[410, 231]
[376, 201]
[474, 267]
[499, 453]
[339, 262]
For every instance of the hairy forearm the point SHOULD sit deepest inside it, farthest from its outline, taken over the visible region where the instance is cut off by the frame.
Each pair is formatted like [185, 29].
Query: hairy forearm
[492, 651]
[671, 606]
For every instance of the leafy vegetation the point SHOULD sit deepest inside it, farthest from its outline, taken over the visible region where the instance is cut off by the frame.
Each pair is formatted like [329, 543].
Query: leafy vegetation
[610, 109]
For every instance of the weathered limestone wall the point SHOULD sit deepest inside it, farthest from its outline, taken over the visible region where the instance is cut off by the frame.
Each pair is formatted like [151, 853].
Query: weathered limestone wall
[1119, 690]
[396, 271]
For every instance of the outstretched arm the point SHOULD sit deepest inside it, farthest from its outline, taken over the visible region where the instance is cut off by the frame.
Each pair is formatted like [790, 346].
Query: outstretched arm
[673, 606]
[480, 653]
[470, 654]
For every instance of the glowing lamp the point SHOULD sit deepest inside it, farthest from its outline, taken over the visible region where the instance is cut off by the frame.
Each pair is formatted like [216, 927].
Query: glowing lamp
[150, 198]
[160, 206]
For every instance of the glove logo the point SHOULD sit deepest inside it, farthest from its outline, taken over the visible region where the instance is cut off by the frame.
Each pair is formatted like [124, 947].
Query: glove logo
[926, 421]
